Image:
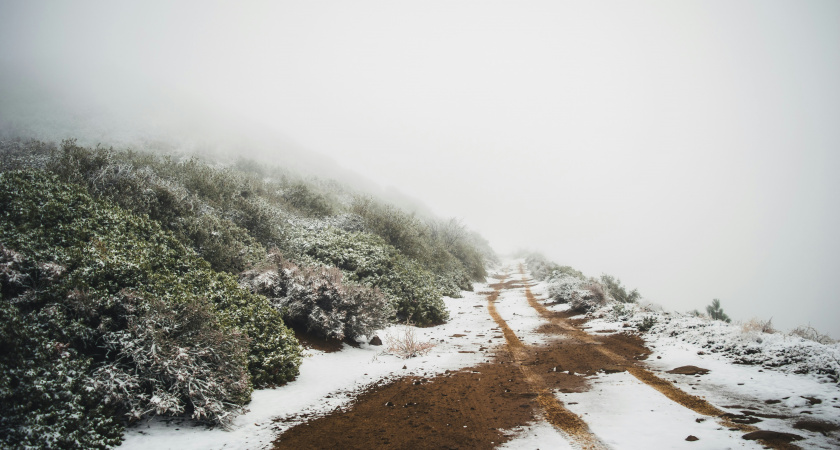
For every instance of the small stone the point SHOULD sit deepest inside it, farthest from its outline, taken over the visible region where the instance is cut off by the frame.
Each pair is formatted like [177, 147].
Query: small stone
[691, 438]
[389, 404]
[376, 341]
[405, 367]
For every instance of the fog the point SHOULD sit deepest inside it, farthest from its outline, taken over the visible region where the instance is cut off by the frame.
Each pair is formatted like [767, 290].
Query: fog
[689, 148]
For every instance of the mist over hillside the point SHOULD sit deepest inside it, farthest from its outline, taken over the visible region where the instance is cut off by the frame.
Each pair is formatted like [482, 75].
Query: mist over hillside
[689, 149]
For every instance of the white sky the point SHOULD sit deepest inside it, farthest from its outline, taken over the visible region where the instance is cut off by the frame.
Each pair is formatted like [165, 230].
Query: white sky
[689, 148]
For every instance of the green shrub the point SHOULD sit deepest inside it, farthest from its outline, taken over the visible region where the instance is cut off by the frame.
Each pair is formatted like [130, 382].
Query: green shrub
[647, 323]
[97, 274]
[132, 182]
[367, 259]
[43, 394]
[716, 312]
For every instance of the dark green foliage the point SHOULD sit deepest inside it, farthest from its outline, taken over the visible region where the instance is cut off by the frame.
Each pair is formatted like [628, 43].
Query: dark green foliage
[92, 274]
[367, 259]
[132, 182]
[43, 395]
[647, 323]
[617, 291]
[716, 312]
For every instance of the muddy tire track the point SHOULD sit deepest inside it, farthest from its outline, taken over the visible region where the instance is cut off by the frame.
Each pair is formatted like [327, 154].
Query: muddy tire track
[603, 346]
[555, 413]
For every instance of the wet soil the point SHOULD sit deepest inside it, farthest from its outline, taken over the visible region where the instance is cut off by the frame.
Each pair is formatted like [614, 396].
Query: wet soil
[464, 409]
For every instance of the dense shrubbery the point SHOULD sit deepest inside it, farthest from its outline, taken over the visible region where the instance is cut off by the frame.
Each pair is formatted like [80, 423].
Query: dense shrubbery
[446, 248]
[127, 262]
[317, 298]
[367, 259]
[43, 392]
[164, 334]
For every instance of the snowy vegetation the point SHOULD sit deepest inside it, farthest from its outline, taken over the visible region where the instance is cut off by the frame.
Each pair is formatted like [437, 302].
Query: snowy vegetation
[136, 284]
[318, 298]
[568, 285]
[754, 342]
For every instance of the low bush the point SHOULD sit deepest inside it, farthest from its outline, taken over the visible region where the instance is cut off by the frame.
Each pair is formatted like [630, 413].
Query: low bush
[617, 291]
[716, 312]
[581, 295]
[647, 323]
[543, 269]
[367, 259]
[317, 298]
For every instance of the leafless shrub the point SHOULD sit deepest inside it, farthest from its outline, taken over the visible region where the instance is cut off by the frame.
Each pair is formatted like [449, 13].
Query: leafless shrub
[758, 325]
[405, 344]
[812, 334]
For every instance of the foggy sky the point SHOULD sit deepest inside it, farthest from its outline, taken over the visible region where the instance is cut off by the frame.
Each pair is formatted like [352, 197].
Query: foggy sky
[689, 148]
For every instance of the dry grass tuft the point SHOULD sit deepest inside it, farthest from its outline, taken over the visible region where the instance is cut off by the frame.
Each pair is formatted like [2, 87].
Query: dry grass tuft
[406, 344]
[758, 325]
[812, 334]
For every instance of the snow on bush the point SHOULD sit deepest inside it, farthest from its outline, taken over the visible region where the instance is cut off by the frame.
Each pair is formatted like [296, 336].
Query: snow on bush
[581, 295]
[366, 259]
[318, 298]
[171, 360]
[740, 343]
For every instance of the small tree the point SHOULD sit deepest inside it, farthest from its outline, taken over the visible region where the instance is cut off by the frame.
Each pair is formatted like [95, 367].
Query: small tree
[716, 312]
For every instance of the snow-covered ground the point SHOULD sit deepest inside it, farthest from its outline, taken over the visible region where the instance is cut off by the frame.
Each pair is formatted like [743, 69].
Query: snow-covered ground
[622, 411]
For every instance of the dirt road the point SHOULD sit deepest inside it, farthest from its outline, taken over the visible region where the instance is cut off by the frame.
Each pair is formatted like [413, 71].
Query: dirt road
[478, 407]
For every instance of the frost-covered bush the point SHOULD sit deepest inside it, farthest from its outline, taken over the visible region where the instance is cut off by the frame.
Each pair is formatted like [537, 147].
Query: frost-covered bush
[44, 398]
[617, 291]
[317, 298]
[172, 359]
[543, 269]
[304, 198]
[581, 295]
[367, 259]
[439, 246]
[135, 183]
[115, 287]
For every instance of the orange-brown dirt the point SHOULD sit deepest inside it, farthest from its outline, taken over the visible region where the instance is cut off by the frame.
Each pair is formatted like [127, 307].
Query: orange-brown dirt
[470, 408]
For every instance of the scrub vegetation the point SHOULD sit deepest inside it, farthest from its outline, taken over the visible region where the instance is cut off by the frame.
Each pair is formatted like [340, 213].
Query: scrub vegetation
[136, 284]
[583, 294]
